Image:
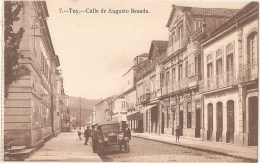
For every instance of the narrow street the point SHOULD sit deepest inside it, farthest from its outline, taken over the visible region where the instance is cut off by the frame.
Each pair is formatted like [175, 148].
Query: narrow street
[65, 147]
[149, 151]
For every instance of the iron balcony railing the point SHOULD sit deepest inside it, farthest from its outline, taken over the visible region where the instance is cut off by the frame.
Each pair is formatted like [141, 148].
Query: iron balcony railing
[219, 81]
[248, 72]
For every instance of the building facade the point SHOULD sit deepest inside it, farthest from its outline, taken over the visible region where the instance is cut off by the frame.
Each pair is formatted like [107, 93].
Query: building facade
[230, 79]
[181, 99]
[29, 108]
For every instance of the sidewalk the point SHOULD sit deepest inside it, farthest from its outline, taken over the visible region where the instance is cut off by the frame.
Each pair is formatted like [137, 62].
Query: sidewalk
[65, 147]
[247, 152]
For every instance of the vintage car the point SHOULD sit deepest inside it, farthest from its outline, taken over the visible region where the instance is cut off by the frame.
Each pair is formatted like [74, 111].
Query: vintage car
[111, 138]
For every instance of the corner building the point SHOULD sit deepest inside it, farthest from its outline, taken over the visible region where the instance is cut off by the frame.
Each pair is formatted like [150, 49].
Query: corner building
[230, 79]
[181, 102]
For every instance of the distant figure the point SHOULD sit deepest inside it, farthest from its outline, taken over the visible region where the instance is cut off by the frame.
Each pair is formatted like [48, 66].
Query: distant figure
[177, 133]
[79, 133]
[87, 134]
[94, 138]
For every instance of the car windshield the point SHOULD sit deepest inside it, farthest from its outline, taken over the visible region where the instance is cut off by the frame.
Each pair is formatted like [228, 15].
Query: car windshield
[106, 129]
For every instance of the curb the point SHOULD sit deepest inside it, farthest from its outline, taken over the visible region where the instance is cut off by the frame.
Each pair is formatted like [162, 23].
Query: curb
[200, 149]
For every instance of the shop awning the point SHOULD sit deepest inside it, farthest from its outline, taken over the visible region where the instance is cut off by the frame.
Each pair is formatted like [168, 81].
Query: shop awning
[147, 108]
[135, 116]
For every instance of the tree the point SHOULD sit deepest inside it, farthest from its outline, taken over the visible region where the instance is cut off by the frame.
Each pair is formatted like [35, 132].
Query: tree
[13, 70]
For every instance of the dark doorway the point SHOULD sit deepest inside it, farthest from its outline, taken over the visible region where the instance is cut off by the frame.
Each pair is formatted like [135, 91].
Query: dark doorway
[198, 126]
[181, 122]
[173, 119]
[162, 127]
[219, 121]
[230, 122]
[253, 121]
[210, 122]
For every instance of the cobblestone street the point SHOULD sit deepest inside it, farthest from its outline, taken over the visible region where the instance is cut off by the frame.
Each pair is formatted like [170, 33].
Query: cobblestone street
[147, 150]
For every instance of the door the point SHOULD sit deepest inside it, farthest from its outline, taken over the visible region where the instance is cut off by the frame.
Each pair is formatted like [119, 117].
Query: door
[173, 119]
[198, 126]
[253, 121]
[162, 127]
[181, 122]
[219, 121]
[210, 122]
[230, 122]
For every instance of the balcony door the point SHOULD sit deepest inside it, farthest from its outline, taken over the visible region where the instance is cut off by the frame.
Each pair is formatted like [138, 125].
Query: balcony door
[229, 68]
[252, 55]
[210, 122]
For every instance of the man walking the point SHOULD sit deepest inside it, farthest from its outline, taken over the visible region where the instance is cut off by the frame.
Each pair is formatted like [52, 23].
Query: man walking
[79, 133]
[87, 134]
[94, 138]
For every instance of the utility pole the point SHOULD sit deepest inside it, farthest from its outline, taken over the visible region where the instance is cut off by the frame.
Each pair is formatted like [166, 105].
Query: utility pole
[80, 111]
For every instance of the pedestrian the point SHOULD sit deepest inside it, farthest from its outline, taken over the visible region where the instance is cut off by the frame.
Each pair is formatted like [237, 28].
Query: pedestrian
[87, 134]
[127, 134]
[94, 138]
[79, 133]
[177, 133]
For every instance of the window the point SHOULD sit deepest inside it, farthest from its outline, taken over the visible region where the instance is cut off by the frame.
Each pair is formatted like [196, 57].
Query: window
[167, 79]
[209, 71]
[180, 73]
[252, 48]
[186, 68]
[180, 33]
[198, 24]
[189, 115]
[173, 75]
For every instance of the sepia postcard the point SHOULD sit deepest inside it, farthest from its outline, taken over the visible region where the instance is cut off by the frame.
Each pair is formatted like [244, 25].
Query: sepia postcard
[129, 81]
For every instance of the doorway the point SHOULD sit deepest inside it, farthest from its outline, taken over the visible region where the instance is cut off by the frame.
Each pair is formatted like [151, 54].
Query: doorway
[162, 127]
[198, 126]
[253, 121]
[181, 122]
[210, 122]
[219, 121]
[230, 122]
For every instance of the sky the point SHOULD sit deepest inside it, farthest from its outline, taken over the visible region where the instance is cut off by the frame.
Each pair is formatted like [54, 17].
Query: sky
[96, 49]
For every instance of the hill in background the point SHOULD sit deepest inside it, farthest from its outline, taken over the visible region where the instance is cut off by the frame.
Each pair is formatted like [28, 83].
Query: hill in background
[86, 105]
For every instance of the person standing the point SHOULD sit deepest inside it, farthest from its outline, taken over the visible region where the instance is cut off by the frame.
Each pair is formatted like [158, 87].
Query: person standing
[94, 138]
[87, 134]
[127, 134]
[79, 133]
[177, 133]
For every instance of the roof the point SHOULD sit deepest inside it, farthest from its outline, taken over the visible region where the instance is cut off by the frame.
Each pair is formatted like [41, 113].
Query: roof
[161, 45]
[249, 9]
[143, 55]
[220, 12]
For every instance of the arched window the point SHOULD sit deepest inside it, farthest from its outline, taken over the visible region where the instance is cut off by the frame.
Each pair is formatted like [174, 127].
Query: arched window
[252, 48]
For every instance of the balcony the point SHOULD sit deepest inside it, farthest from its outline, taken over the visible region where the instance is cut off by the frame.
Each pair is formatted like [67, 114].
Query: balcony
[224, 80]
[193, 81]
[144, 98]
[184, 83]
[176, 86]
[200, 32]
[248, 72]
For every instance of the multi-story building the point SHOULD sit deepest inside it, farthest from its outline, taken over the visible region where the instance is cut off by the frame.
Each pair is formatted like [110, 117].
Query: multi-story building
[134, 117]
[180, 101]
[103, 110]
[148, 87]
[29, 108]
[119, 110]
[230, 79]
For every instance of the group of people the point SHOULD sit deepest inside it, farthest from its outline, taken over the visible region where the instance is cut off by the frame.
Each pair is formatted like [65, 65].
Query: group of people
[95, 134]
